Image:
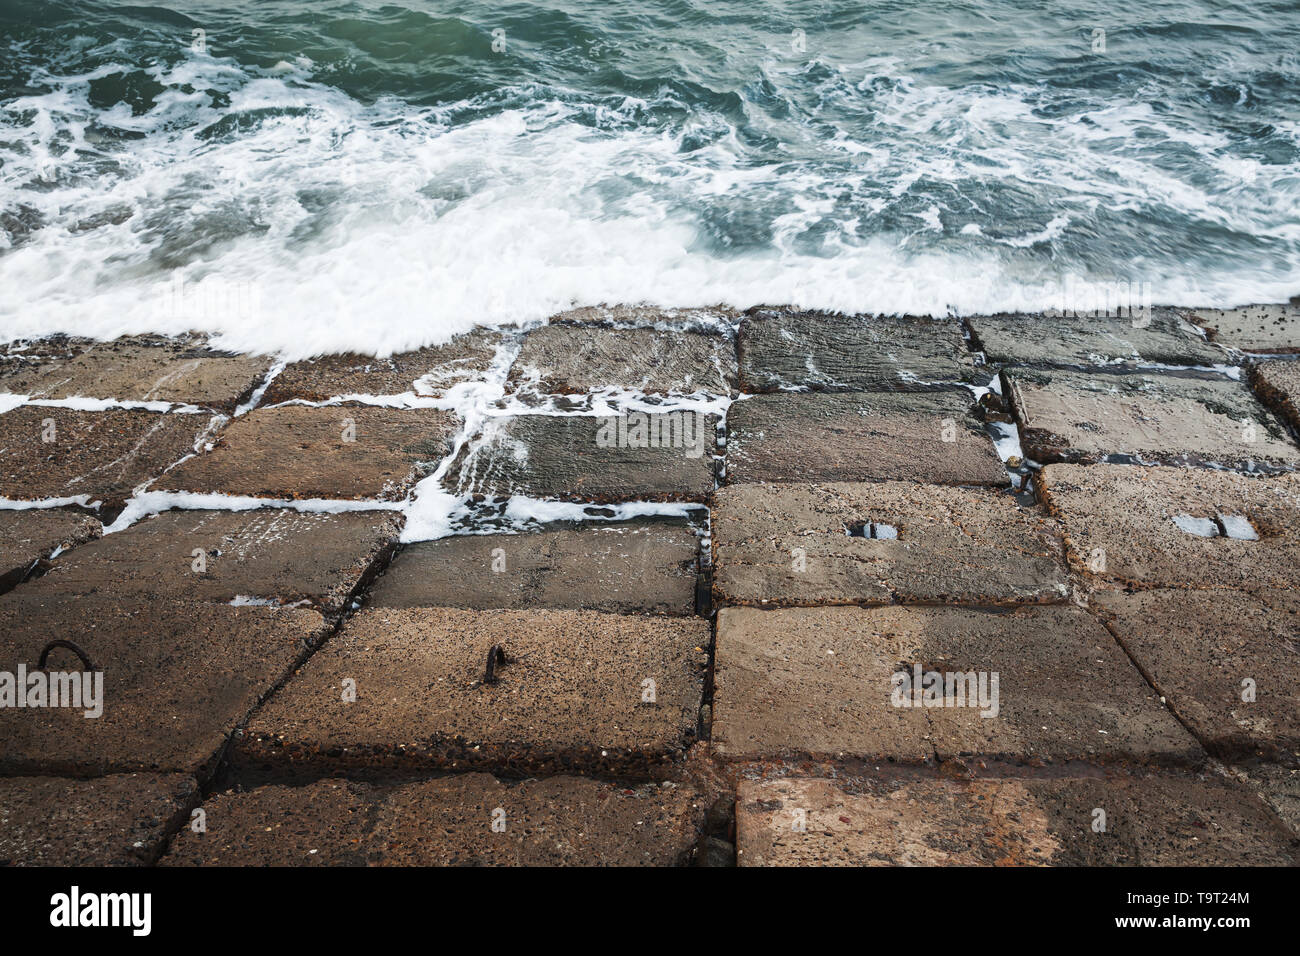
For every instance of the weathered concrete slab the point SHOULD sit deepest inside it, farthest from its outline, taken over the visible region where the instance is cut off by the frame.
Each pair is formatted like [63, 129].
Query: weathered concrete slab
[264, 555]
[339, 452]
[1228, 663]
[854, 436]
[1252, 328]
[145, 368]
[429, 372]
[177, 679]
[118, 820]
[643, 315]
[1077, 417]
[22, 360]
[1278, 786]
[1278, 386]
[625, 567]
[569, 695]
[790, 544]
[102, 455]
[666, 456]
[29, 537]
[782, 349]
[1169, 527]
[1087, 340]
[567, 359]
[1149, 820]
[448, 821]
[822, 682]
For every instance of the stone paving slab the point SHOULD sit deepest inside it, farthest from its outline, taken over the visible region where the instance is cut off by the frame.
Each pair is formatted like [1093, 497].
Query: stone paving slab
[1156, 527]
[623, 567]
[144, 368]
[428, 372]
[642, 315]
[781, 349]
[1077, 417]
[821, 682]
[569, 694]
[177, 679]
[103, 455]
[30, 536]
[297, 451]
[1150, 820]
[1278, 386]
[1020, 339]
[265, 555]
[636, 457]
[1278, 786]
[118, 820]
[1228, 663]
[790, 544]
[448, 821]
[1252, 328]
[855, 436]
[569, 359]
[23, 359]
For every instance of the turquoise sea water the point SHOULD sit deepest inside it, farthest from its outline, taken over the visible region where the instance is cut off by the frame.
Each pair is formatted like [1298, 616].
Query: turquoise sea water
[319, 176]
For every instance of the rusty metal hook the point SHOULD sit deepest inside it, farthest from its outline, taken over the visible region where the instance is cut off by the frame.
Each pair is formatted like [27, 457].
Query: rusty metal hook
[496, 658]
[45, 654]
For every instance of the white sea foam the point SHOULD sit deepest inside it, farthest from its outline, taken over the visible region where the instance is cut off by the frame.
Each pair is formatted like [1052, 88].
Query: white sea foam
[328, 225]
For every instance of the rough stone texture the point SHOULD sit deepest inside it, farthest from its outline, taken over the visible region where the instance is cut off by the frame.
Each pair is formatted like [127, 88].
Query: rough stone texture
[1198, 648]
[559, 821]
[803, 436]
[30, 536]
[624, 567]
[819, 682]
[1119, 525]
[178, 678]
[1092, 340]
[1077, 417]
[1150, 821]
[299, 451]
[265, 554]
[119, 820]
[1252, 328]
[429, 372]
[24, 359]
[783, 349]
[1278, 787]
[145, 368]
[634, 315]
[569, 695]
[788, 544]
[659, 457]
[102, 455]
[1278, 385]
[585, 358]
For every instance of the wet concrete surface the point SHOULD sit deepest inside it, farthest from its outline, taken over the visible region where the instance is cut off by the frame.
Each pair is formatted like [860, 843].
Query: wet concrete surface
[858, 436]
[323, 706]
[619, 567]
[342, 452]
